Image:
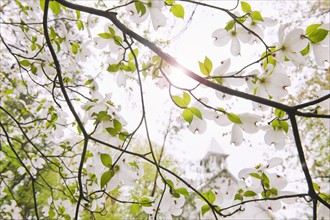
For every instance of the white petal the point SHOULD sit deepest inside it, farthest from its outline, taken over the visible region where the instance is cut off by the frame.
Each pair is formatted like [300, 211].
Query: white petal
[323, 212]
[292, 200]
[276, 85]
[276, 138]
[166, 202]
[245, 173]
[157, 4]
[321, 54]
[197, 125]
[222, 96]
[221, 37]
[326, 123]
[236, 135]
[134, 15]
[272, 205]
[294, 41]
[326, 103]
[158, 19]
[100, 43]
[278, 182]
[296, 58]
[259, 32]
[249, 122]
[121, 79]
[243, 35]
[273, 162]
[223, 68]
[221, 119]
[281, 33]
[235, 47]
[148, 210]
[269, 22]
[235, 81]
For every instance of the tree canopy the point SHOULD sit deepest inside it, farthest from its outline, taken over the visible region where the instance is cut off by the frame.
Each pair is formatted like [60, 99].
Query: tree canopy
[80, 81]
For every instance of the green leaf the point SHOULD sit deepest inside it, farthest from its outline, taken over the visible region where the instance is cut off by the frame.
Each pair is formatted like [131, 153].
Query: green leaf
[238, 197]
[42, 4]
[105, 35]
[265, 194]
[318, 35]
[103, 116]
[135, 208]
[55, 7]
[106, 177]
[89, 81]
[311, 28]
[316, 187]
[131, 66]
[183, 191]
[133, 164]
[273, 191]
[51, 213]
[305, 51]
[34, 39]
[34, 69]
[170, 183]
[25, 63]
[269, 59]
[234, 118]
[275, 124]
[117, 125]
[205, 208]
[284, 125]
[106, 160]
[179, 101]
[249, 193]
[113, 67]
[113, 132]
[145, 202]
[75, 48]
[169, 2]
[256, 16]
[9, 91]
[141, 8]
[246, 7]
[279, 113]
[209, 195]
[52, 33]
[186, 98]
[265, 180]
[196, 112]
[135, 51]
[206, 66]
[255, 175]
[79, 130]
[80, 25]
[177, 10]
[78, 14]
[187, 115]
[33, 47]
[230, 25]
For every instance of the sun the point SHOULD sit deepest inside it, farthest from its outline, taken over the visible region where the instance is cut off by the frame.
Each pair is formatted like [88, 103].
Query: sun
[179, 79]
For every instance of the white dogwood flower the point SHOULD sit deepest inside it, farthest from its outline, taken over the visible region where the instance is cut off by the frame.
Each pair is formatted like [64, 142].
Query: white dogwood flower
[248, 125]
[152, 8]
[222, 37]
[225, 78]
[290, 46]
